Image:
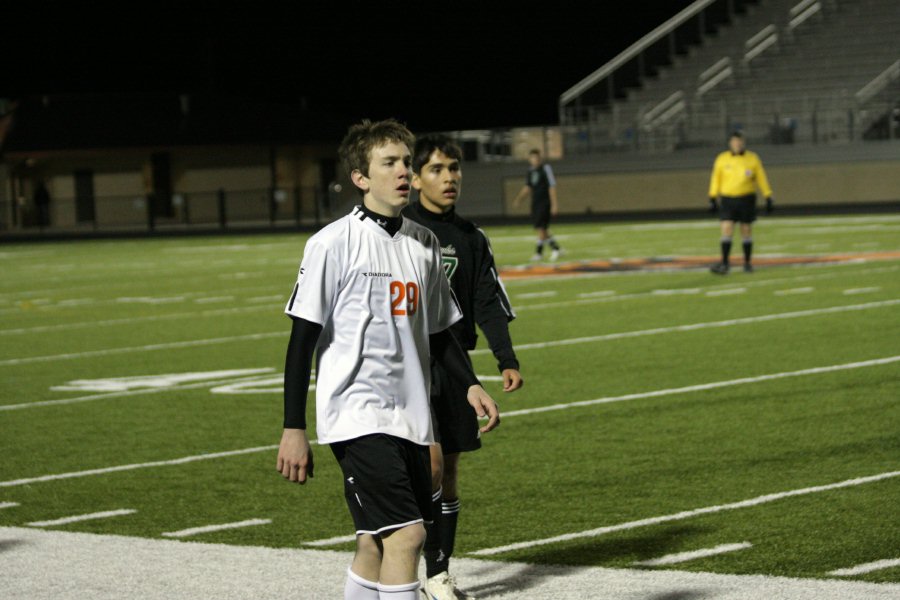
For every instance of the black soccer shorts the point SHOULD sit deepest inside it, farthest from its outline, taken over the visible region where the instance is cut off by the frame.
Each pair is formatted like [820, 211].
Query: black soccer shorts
[540, 215]
[454, 421]
[738, 208]
[387, 482]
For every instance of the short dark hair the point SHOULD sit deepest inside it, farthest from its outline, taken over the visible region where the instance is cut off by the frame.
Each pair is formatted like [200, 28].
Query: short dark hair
[737, 133]
[356, 148]
[427, 144]
[534, 151]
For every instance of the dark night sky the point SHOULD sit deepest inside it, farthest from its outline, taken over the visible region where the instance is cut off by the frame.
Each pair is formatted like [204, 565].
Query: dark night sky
[435, 66]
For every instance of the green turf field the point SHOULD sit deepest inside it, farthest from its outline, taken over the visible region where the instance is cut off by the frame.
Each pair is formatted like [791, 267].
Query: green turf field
[664, 412]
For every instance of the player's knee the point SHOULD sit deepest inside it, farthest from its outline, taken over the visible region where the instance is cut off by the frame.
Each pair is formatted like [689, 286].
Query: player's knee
[406, 541]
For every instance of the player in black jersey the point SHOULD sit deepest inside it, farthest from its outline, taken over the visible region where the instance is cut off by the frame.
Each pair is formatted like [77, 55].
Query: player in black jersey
[468, 262]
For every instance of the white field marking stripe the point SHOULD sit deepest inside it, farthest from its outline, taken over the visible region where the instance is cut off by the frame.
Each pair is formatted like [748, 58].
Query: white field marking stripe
[792, 291]
[586, 300]
[727, 292]
[158, 463]
[704, 386]
[680, 557]
[697, 326]
[188, 459]
[878, 565]
[331, 541]
[93, 397]
[88, 517]
[8, 504]
[548, 294]
[108, 322]
[220, 527]
[147, 348]
[687, 514]
[865, 290]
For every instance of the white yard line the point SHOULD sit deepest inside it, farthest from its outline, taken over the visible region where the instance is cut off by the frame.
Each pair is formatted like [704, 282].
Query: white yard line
[132, 467]
[87, 517]
[680, 557]
[864, 568]
[704, 386]
[212, 528]
[527, 411]
[703, 325]
[687, 514]
[147, 348]
[93, 397]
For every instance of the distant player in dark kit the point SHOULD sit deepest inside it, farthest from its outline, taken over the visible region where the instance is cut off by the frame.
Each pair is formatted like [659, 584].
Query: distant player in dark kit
[541, 184]
[736, 174]
[469, 265]
[373, 303]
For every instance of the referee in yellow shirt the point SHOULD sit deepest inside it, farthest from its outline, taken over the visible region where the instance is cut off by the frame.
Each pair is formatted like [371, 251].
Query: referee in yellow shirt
[736, 174]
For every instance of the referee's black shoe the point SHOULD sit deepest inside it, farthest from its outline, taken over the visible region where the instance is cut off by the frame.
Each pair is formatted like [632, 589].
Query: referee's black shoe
[748, 268]
[719, 269]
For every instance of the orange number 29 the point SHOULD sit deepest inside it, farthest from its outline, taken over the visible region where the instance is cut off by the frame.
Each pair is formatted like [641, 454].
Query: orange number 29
[404, 298]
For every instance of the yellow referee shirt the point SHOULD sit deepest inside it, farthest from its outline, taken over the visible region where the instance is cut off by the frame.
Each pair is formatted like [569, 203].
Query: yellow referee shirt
[738, 175]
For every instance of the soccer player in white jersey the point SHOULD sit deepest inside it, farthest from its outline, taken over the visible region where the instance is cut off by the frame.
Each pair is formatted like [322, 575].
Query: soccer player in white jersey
[372, 301]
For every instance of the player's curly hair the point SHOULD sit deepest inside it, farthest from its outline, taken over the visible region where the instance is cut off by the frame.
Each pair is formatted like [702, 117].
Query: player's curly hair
[356, 148]
[426, 145]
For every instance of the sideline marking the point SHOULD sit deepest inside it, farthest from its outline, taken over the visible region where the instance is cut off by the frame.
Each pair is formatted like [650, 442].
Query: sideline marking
[719, 384]
[867, 567]
[671, 559]
[702, 325]
[88, 517]
[686, 514]
[211, 528]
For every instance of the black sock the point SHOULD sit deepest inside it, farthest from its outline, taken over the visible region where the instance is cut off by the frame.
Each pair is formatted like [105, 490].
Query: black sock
[539, 249]
[726, 250]
[748, 251]
[449, 519]
[434, 560]
[553, 244]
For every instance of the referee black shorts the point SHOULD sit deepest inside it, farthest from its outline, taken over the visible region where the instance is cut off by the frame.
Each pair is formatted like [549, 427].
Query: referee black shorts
[540, 215]
[387, 482]
[738, 208]
[454, 421]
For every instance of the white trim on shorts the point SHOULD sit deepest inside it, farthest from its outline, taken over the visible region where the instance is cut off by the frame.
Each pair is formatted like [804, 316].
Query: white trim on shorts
[392, 527]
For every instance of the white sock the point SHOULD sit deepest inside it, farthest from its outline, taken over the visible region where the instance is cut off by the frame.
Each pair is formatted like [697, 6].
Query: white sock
[404, 591]
[358, 588]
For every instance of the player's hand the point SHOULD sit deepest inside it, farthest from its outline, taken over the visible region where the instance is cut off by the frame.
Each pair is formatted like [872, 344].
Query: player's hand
[512, 380]
[770, 205]
[484, 406]
[713, 207]
[295, 459]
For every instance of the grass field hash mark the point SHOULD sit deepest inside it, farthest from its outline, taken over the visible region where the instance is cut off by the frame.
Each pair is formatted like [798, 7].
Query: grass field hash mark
[214, 528]
[108, 514]
[680, 557]
[869, 567]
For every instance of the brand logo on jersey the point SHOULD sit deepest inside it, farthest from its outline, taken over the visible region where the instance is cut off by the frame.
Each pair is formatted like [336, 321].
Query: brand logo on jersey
[374, 274]
[351, 481]
[448, 250]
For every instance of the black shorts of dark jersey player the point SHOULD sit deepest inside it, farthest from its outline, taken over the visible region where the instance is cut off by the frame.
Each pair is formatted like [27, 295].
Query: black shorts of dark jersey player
[454, 422]
[540, 215]
[738, 208]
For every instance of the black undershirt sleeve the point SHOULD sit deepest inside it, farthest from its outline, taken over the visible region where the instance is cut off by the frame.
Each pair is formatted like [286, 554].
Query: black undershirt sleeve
[445, 349]
[497, 332]
[297, 370]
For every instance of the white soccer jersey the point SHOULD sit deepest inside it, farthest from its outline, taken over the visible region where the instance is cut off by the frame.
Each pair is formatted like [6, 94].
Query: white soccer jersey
[378, 298]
